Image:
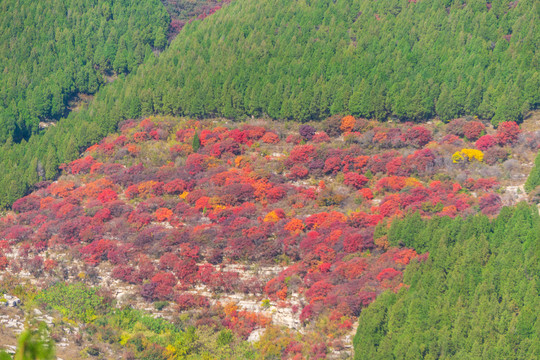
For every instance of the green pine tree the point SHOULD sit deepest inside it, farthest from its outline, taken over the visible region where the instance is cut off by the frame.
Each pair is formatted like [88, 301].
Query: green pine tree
[533, 181]
[51, 164]
[196, 143]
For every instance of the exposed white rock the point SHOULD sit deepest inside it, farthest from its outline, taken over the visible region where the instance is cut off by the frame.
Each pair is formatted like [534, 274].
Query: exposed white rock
[12, 322]
[11, 300]
[514, 194]
[255, 335]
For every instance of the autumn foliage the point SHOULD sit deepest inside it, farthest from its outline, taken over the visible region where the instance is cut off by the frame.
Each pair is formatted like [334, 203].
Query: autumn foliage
[347, 124]
[314, 209]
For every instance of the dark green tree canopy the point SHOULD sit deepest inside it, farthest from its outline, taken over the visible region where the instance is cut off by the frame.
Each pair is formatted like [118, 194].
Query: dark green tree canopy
[52, 50]
[473, 297]
[309, 60]
[533, 181]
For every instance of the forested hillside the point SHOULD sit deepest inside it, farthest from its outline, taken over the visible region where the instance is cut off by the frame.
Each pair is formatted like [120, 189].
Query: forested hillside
[270, 179]
[373, 59]
[52, 50]
[310, 59]
[476, 296]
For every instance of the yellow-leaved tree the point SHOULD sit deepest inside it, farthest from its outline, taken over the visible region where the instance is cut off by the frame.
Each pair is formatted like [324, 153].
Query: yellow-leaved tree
[468, 154]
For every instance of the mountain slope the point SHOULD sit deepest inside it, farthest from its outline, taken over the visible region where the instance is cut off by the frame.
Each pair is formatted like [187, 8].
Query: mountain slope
[52, 50]
[411, 60]
[278, 219]
[474, 298]
[50, 53]
[310, 59]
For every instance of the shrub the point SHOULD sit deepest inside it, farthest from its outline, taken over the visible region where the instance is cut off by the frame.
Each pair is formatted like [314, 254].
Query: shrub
[75, 301]
[455, 127]
[347, 124]
[81, 166]
[332, 126]
[270, 138]
[307, 132]
[468, 154]
[321, 137]
[388, 274]
[490, 204]
[495, 154]
[332, 165]
[164, 283]
[122, 272]
[417, 136]
[473, 130]
[485, 142]
[366, 193]
[26, 204]
[507, 133]
[298, 172]
[355, 180]
[163, 214]
[160, 305]
[301, 154]
[189, 301]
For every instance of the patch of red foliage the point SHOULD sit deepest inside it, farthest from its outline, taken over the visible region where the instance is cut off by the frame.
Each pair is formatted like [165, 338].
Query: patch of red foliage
[169, 220]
